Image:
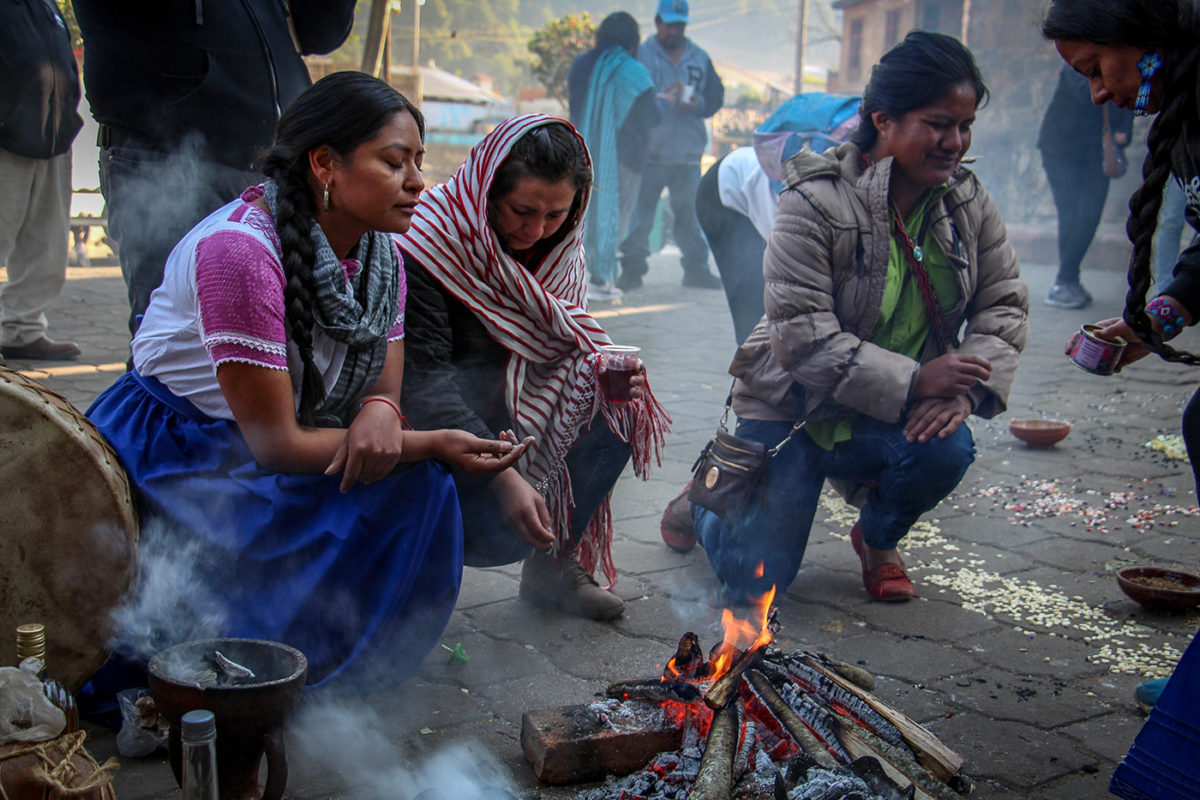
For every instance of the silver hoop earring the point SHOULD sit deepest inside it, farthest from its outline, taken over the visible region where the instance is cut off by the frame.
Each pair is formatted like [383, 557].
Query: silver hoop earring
[325, 199]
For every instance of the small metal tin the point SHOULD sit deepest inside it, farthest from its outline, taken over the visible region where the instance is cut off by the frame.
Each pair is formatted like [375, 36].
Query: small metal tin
[1094, 353]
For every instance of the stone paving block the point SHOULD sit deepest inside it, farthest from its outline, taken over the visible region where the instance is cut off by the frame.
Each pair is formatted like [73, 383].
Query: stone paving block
[1039, 655]
[480, 586]
[998, 560]
[937, 619]
[1089, 783]
[920, 704]
[1069, 555]
[1109, 735]
[1018, 756]
[908, 658]
[1042, 701]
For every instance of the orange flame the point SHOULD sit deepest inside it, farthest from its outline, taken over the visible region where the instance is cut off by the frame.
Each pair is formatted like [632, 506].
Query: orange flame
[742, 634]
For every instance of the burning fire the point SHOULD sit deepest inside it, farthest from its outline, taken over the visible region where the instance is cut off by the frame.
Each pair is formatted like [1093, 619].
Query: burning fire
[740, 635]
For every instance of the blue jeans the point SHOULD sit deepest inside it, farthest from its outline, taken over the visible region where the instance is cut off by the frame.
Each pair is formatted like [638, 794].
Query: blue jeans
[680, 181]
[912, 478]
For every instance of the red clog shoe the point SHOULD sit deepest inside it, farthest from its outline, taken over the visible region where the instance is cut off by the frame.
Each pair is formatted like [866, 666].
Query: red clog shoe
[887, 582]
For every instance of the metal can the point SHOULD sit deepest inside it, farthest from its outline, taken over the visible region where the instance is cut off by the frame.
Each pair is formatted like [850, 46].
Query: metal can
[1095, 353]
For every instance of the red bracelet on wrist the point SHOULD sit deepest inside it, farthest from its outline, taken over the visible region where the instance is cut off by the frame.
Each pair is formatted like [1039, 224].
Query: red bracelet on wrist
[377, 398]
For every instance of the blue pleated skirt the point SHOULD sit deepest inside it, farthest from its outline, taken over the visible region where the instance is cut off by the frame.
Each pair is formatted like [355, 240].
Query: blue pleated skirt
[366, 577]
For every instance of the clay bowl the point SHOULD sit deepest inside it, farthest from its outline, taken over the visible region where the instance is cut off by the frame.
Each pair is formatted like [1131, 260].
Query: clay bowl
[1040, 432]
[1161, 598]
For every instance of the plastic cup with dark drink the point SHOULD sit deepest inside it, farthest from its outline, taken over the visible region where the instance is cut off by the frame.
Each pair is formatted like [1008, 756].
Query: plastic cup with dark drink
[619, 363]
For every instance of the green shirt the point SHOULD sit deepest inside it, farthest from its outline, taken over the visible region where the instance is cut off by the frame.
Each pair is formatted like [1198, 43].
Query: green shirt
[903, 322]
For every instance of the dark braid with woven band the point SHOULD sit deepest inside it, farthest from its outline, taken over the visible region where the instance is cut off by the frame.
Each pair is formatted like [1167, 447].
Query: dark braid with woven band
[1168, 316]
[912, 254]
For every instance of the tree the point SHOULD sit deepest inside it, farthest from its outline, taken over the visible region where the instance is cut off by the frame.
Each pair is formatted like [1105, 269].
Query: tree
[556, 45]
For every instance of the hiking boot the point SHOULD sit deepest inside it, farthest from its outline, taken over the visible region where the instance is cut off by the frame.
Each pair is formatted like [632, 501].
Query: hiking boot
[43, 349]
[560, 583]
[1068, 295]
[701, 279]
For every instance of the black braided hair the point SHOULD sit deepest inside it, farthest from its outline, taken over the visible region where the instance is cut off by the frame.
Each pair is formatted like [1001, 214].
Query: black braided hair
[1169, 27]
[340, 111]
[917, 72]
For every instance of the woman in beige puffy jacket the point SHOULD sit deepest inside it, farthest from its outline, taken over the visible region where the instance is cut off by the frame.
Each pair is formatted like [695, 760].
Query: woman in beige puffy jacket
[871, 237]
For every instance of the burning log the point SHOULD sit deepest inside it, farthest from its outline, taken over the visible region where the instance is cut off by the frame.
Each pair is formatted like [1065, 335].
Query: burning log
[715, 779]
[792, 723]
[725, 688]
[898, 764]
[654, 691]
[822, 683]
[688, 661]
[942, 762]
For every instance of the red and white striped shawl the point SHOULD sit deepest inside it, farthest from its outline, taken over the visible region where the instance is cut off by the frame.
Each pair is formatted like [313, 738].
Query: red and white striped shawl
[539, 315]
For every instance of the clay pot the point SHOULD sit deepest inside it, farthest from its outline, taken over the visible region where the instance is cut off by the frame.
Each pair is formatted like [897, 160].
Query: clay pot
[1160, 598]
[1040, 432]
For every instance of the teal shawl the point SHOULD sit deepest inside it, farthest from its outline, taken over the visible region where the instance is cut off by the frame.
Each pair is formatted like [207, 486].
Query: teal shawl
[616, 82]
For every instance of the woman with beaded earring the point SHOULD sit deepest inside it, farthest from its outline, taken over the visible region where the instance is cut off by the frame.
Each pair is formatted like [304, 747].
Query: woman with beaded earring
[261, 423]
[1142, 55]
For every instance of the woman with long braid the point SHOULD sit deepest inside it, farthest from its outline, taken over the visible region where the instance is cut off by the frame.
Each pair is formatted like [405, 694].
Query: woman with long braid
[262, 417]
[1143, 55]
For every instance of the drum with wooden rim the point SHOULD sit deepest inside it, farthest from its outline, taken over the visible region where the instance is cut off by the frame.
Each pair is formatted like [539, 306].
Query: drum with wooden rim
[68, 529]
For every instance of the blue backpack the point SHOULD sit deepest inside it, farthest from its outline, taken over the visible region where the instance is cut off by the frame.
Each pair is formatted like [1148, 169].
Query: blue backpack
[812, 120]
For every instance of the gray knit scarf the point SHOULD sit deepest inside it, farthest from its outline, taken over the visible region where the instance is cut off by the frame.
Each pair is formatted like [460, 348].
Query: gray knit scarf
[358, 312]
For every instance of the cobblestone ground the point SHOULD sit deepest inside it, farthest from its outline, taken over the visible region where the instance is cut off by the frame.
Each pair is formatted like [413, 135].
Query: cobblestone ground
[1020, 652]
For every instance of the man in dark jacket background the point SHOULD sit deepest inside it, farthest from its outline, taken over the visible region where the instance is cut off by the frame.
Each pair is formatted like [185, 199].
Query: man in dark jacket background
[689, 90]
[187, 93]
[39, 95]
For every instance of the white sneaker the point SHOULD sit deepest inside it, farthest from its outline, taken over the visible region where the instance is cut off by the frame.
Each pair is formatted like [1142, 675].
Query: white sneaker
[605, 291]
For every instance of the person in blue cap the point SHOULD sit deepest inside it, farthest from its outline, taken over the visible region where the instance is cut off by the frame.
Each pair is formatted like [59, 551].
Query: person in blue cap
[689, 91]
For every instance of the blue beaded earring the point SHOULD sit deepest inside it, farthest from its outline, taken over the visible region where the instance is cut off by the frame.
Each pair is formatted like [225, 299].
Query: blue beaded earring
[1147, 65]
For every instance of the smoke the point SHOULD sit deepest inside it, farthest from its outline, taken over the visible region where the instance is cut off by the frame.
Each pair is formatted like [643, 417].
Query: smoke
[171, 603]
[345, 737]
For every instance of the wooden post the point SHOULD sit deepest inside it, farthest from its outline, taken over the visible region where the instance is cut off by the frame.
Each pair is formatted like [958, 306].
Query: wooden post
[373, 46]
[802, 24]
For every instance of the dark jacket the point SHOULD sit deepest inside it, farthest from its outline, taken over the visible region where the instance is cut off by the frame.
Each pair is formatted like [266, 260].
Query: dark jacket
[156, 70]
[39, 80]
[1073, 124]
[453, 370]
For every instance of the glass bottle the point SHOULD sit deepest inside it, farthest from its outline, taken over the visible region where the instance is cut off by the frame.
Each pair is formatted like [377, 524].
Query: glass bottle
[198, 736]
[31, 643]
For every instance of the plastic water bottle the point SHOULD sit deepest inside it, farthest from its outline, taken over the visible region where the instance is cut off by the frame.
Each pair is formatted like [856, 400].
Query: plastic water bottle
[198, 735]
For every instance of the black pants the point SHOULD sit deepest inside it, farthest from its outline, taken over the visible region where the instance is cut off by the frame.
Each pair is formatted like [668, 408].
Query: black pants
[153, 199]
[594, 463]
[738, 250]
[1080, 189]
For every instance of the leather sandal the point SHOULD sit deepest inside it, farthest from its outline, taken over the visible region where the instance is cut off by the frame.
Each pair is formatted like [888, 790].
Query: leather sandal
[678, 531]
[887, 582]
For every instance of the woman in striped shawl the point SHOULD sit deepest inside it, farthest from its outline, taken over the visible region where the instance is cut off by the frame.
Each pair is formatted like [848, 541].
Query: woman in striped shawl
[499, 337]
